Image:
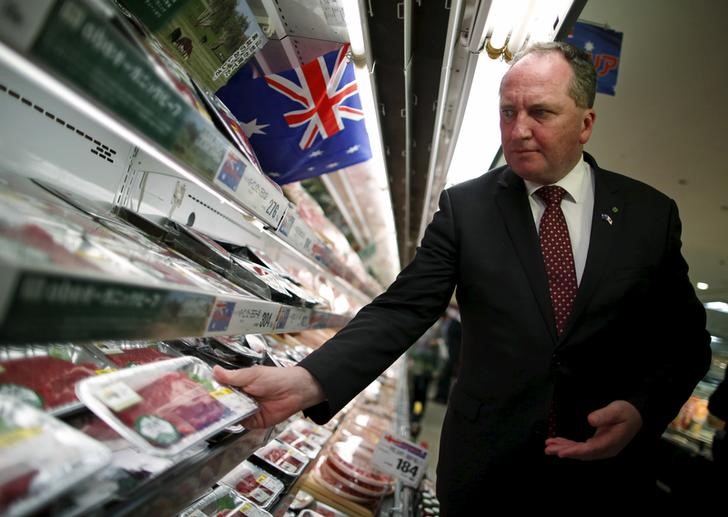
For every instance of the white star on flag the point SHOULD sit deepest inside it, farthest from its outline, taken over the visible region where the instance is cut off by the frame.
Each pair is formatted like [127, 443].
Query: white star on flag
[589, 46]
[317, 152]
[253, 128]
[332, 165]
[310, 169]
[353, 149]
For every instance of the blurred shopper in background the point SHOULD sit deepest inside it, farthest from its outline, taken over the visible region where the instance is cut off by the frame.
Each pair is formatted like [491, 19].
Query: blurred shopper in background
[451, 333]
[424, 359]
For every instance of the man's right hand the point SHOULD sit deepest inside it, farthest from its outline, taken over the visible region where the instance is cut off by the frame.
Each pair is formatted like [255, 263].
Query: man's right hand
[280, 392]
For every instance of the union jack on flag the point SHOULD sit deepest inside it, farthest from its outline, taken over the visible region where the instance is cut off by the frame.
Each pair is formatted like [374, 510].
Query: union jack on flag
[302, 122]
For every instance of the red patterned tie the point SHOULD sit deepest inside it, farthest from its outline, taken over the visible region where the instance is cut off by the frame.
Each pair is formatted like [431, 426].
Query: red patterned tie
[559, 261]
[557, 255]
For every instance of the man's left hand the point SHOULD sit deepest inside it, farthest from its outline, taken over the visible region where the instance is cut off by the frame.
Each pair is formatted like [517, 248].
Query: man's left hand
[616, 424]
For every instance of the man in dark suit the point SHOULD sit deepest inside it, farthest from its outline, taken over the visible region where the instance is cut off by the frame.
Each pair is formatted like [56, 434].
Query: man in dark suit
[581, 333]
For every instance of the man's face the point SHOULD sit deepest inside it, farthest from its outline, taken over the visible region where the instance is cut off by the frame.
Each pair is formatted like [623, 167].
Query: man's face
[542, 129]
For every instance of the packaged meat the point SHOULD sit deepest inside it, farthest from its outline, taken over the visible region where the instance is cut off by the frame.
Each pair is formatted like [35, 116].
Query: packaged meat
[205, 251]
[314, 432]
[301, 500]
[283, 457]
[255, 483]
[122, 354]
[356, 461]
[248, 509]
[299, 442]
[325, 510]
[353, 482]
[240, 345]
[221, 502]
[323, 477]
[41, 457]
[257, 344]
[45, 376]
[212, 351]
[166, 406]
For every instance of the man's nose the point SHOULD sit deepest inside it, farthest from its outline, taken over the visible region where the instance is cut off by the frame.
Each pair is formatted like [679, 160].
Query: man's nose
[521, 127]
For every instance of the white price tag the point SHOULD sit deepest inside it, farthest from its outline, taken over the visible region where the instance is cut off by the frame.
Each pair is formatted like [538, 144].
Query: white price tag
[118, 396]
[401, 459]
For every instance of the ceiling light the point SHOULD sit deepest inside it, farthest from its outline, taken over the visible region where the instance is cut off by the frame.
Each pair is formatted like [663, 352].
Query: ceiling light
[702, 286]
[717, 306]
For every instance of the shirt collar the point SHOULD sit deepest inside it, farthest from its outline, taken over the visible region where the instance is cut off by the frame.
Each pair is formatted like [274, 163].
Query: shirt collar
[572, 183]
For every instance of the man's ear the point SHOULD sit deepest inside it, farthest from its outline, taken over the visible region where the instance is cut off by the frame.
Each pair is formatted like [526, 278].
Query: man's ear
[587, 125]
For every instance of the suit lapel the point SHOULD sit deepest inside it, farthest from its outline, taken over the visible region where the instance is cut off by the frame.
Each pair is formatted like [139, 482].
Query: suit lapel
[512, 201]
[605, 228]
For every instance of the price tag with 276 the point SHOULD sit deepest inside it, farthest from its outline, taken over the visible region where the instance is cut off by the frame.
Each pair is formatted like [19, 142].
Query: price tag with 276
[401, 459]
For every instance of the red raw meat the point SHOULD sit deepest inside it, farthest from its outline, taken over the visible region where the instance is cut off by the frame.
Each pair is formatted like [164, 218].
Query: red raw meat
[15, 488]
[177, 399]
[52, 379]
[250, 488]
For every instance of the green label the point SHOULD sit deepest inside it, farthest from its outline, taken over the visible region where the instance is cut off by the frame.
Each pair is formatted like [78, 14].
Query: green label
[22, 393]
[157, 430]
[81, 46]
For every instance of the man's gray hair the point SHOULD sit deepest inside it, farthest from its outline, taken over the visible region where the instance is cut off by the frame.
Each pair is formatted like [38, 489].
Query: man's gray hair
[583, 84]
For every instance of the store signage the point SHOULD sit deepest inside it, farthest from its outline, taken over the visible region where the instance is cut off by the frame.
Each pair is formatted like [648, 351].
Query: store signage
[400, 458]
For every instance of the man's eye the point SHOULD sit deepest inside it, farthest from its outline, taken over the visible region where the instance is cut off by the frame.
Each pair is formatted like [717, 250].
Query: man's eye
[506, 113]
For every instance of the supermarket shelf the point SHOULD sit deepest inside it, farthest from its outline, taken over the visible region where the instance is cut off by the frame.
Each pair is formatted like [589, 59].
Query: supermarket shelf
[52, 304]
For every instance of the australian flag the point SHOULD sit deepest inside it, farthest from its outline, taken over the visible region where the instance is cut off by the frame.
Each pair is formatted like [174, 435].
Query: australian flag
[302, 122]
[605, 46]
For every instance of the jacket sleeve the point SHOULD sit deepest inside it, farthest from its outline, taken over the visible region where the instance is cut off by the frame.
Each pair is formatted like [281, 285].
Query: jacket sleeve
[386, 327]
[678, 320]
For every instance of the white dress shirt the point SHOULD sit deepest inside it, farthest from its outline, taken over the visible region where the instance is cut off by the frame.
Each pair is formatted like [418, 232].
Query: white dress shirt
[577, 206]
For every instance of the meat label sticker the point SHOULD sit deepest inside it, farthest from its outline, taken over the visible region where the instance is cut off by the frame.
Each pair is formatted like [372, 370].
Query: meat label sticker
[21, 393]
[401, 459]
[118, 396]
[157, 430]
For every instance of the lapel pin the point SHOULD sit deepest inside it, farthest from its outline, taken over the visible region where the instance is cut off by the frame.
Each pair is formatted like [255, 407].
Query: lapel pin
[605, 217]
[615, 209]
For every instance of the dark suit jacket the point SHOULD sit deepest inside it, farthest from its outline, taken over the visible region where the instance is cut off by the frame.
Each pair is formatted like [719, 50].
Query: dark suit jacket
[636, 331]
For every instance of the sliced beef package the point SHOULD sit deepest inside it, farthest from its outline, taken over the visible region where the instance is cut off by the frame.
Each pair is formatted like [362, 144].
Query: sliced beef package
[45, 376]
[166, 406]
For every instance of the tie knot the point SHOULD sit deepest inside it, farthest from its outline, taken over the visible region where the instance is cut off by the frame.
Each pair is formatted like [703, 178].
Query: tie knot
[552, 195]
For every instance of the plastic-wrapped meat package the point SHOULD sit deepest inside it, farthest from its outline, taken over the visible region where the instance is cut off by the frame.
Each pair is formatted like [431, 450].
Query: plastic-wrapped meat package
[41, 457]
[299, 442]
[123, 354]
[354, 457]
[45, 376]
[166, 406]
[177, 399]
[221, 502]
[251, 481]
[283, 457]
